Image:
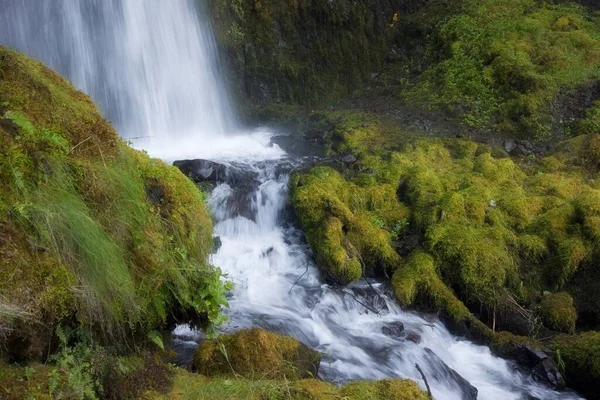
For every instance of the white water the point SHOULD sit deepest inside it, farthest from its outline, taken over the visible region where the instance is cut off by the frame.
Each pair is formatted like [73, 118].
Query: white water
[279, 288]
[151, 66]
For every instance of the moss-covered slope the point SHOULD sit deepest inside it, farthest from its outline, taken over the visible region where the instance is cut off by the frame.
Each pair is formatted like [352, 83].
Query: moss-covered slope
[92, 233]
[458, 217]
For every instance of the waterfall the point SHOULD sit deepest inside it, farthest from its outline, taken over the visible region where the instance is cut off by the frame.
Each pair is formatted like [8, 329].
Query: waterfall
[149, 64]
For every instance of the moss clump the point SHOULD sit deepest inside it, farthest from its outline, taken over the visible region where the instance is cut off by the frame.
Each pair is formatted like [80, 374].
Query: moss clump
[501, 63]
[347, 225]
[580, 356]
[257, 354]
[91, 232]
[387, 389]
[558, 313]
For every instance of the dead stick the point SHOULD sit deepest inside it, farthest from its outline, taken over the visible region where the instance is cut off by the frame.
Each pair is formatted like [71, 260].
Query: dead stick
[425, 379]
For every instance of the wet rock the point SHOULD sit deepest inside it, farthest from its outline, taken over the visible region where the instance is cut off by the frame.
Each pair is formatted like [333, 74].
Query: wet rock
[299, 146]
[349, 159]
[547, 372]
[413, 337]
[393, 330]
[256, 353]
[509, 145]
[442, 372]
[217, 243]
[209, 171]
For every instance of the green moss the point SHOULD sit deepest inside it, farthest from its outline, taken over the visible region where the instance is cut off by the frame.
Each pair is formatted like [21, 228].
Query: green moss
[347, 225]
[488, 228]
[192, 386]
[502, 63]
[580, 356]
[257, 354]
[558, 313]
[387, 389]
[92, 232]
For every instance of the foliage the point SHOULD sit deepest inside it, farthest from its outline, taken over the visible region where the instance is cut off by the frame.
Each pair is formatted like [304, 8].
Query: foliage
[488, 228]
[92, 232]
[257, 354]
[501, 63]
[189, 386]
[581, 358]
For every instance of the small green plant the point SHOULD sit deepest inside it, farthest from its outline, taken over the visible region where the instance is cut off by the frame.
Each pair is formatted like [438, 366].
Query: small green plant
[378, 222]
[399, 229]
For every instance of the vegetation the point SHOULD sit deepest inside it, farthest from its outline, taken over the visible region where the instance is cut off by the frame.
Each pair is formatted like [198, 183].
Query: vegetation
[191, 386]
[581, 358]
[558, 312]
[257, 354]
[503, 63]
[92, 233]
[489, 230]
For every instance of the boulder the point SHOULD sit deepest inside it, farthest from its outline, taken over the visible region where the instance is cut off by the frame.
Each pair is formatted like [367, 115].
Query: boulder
[443, 373]
[257, 354]
[202, 171]
[394, 330]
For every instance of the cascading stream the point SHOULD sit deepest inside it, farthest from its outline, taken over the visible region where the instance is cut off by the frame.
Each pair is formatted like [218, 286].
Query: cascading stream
[151, 65]
[278, 287]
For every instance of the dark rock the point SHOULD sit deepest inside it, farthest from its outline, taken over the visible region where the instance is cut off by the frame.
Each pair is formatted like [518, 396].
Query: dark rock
[393, 330]
[217, 243]
[547, 372]
[443, 373]
[349, 159]
[9, 126]
[509, 145]
[209, 171]
[203, 170]
[413, 337]
[300, 147]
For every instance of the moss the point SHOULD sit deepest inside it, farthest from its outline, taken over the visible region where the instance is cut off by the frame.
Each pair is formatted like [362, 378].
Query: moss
[257, 354]
[193, 386]
[387, 389]
[487, 227]
[580, 356]
[500, 63]
[91, 232]
[558, 313]
[347, 225]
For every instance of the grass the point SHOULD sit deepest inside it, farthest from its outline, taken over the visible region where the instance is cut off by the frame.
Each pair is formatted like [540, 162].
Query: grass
[93, 233]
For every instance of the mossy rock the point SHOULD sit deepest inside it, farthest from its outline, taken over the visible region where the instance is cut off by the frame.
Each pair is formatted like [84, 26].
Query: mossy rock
[387, 389]
[257, 354]
[580, 356]
[558, 312]
[92, 232]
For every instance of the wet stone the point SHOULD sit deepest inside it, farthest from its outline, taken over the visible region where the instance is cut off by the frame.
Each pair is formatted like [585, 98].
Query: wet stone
[394, 330]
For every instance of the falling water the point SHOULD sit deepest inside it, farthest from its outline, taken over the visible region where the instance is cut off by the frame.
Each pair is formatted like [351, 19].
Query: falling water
[149, 64]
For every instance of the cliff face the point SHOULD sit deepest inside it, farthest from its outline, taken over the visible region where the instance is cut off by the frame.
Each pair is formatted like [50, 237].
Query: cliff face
[304, 51]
